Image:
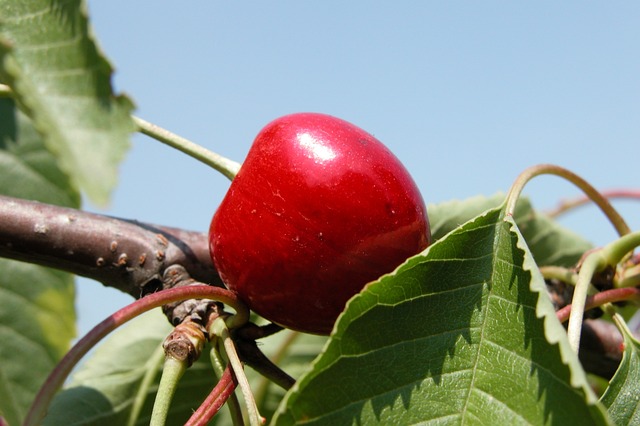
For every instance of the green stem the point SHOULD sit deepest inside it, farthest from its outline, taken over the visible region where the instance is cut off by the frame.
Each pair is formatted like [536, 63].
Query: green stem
[171, 374]
[59, 374]
[224, 165]
[218, 361]
[559, 273]
[147, 381]
[219, 329]
[550, 169]
[227, 167]
[595, 262]
[565, 275]
[618, 249]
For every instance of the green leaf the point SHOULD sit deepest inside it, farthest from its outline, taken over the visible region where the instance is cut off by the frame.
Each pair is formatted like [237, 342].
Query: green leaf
[28, 170]
[449, 215]
[37, 322]
[550, 243]
[37, 313]
[62, 81]
[105, 387]
[622, 397]
[462, 334]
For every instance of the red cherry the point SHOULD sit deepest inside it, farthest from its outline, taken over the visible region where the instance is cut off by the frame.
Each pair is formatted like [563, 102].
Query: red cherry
[318, 209]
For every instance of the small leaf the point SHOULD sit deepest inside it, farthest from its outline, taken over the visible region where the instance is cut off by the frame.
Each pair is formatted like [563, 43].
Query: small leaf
[105, 387]
[449, 215]
[622, 397]
[63, 82]
[549, 243]
[463, 333]
[37, 313]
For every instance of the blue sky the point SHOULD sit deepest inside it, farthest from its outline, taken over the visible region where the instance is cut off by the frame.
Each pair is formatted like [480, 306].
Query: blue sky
[467, 94]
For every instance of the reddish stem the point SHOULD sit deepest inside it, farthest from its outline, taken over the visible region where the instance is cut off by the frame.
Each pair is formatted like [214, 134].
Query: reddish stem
[567, 205]
[215, 400]
[608, 296]
[61, 371]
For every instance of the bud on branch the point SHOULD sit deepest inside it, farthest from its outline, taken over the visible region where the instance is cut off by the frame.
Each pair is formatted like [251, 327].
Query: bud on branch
[128, 255]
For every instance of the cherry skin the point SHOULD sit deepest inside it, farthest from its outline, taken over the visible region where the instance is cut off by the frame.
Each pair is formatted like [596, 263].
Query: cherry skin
[318, 209]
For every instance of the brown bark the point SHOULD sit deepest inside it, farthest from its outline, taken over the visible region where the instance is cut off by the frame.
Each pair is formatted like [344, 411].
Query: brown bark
[128, 255]
[132, 257]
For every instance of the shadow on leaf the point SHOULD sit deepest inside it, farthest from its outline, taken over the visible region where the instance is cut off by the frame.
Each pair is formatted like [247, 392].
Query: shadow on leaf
[452, 335]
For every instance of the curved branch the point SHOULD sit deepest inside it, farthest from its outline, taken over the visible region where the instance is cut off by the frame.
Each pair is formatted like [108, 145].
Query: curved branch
[128, 255]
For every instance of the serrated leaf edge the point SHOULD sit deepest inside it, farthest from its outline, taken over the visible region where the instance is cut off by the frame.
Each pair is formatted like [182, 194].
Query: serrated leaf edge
[553, 329]
[29, 99]
[554, 332]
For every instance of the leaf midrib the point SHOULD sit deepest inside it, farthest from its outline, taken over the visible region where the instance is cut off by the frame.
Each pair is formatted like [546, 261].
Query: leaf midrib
[482, 340]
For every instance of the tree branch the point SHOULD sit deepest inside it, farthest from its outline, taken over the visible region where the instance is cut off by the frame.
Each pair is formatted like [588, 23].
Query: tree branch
[128, 255]
[133, 256]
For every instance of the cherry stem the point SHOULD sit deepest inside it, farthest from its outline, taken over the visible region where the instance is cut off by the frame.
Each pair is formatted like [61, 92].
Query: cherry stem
[602, 298]
[224, 165]
[171, 373]
[219, 329]
[567, 205]
[215, 400]
[219, 363]
[595, 262]
[59, 374]
[550, 169]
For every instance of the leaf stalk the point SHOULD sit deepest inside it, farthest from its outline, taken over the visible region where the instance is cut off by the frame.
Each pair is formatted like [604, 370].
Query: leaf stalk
[171, 373]
[220, 330]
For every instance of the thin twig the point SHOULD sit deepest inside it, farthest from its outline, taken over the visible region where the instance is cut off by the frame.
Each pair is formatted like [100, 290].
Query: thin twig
[220, 330]
[611, 194]
[599, 299]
